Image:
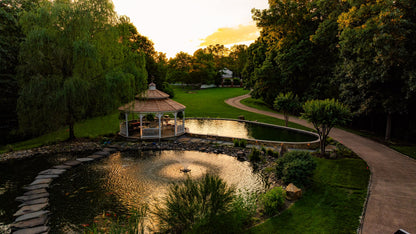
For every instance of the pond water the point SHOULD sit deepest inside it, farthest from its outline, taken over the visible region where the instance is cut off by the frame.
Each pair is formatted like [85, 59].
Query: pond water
[17, 173]
[248, 130]
[126, 181]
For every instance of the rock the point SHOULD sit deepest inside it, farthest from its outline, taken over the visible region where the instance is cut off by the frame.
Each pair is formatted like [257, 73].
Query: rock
[32, 197]
[95, 156]
[72, 163]
[41, 181]
[35, 230]
[46, 176]
[241, 156]
[30, 209]
[85, 159]
[36, 191]
[33, 215]
[52, 172]
[35, 187]
[34, 202]
[62, 167]
[293, 193]
[103, 153]
[110, 149]
[31, 222]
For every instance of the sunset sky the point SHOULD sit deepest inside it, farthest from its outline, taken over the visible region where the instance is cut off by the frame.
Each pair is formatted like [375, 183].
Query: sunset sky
[186, 25]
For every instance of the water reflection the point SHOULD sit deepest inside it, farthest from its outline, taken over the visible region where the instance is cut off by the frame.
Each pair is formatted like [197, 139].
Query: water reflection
[127, 180]
[236, 129]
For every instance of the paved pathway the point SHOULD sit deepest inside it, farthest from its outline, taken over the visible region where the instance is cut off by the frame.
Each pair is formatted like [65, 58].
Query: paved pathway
[392, 200]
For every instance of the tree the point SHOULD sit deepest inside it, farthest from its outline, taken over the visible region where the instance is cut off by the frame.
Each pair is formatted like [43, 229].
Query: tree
[11, 36]
[203, 68]
[179, 68]
[286, 103]
[324, 115]
[75, 64]
[377, 43]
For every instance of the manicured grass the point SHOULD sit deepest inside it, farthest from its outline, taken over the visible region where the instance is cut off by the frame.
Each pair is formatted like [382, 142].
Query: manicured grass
[90, 128]
[409, 150]
[333, 203]
[258, 104]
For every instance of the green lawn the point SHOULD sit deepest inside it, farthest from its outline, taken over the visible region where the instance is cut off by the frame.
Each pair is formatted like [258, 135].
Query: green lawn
[333, 204]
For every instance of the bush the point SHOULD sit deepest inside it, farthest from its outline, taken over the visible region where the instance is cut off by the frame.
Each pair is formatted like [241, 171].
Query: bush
[227, 82]
[240, 143]
[296, 167]
[168, 89]
[236, 81]
[272, 153]
[273, 200]
[255, 155]
[198, 206]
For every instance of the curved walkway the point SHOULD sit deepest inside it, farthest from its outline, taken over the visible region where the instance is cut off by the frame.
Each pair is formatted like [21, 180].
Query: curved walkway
[391, 203]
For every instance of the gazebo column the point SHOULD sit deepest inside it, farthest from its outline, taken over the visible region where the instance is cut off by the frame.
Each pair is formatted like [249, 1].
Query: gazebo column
[176, 127]
[183, 120]
[141, 125]
[159, 115]
[127, 123]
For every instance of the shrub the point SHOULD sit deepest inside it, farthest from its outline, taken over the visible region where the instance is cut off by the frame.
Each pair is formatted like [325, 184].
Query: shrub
[273, 200]
[240, 143]
[236, 81]
[344, 152]
[254, 156]
[272, 153]
[296, 167]
[196, 206]
[227, 82]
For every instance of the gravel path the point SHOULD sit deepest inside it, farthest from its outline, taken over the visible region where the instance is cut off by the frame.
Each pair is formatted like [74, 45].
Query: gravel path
[391, 203]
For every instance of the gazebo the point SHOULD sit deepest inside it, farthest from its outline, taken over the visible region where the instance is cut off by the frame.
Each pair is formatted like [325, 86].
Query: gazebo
[149, 116]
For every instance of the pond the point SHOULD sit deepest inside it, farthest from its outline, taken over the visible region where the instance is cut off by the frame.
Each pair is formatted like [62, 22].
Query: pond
[248, 130]
[126, 181]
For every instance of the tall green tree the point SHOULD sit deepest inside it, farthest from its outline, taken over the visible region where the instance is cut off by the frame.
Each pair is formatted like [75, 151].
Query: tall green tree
[11, 37]
[74, 64]
[179, 68]
[203, 68]
[324, 115]
[377, 44]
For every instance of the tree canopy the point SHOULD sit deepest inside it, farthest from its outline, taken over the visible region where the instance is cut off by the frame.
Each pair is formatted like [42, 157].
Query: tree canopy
[76, 62]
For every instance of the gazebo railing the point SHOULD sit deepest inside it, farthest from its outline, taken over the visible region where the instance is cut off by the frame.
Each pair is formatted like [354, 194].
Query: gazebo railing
[150, 133]
[123, 131]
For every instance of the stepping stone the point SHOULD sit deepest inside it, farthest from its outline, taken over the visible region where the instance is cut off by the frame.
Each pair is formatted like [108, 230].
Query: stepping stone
[33, 215]
[35, 202]
[41, 181]
[37, 191]
[72, 163]
[95, 156]
[35, 187]
[85, 159]
[52, 172]
[62, 167]
[103, 153]
[31, 222]
[35, 230]
[32, 197]
[46, 176]
[30, 209]
[110, 150]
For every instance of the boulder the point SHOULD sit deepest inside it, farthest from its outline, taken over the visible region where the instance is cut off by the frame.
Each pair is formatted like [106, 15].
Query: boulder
[293, 193]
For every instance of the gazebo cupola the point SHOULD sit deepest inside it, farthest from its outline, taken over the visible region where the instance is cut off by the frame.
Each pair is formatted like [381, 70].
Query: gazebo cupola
[152, 115]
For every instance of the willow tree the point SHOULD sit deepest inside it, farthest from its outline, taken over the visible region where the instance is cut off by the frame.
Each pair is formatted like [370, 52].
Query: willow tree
[73, 64]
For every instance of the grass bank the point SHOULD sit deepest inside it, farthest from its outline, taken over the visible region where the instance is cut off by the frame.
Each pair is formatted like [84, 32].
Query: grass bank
[333, 203]
[406, 149]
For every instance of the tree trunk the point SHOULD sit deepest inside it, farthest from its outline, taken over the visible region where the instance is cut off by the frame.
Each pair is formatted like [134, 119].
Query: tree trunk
[388, 127]
[286, 119]
[71, 131]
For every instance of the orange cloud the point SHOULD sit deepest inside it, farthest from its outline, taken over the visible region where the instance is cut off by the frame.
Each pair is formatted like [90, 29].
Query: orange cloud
[226, 36]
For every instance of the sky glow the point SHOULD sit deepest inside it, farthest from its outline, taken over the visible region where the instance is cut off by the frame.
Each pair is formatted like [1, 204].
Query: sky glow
[186, 25]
